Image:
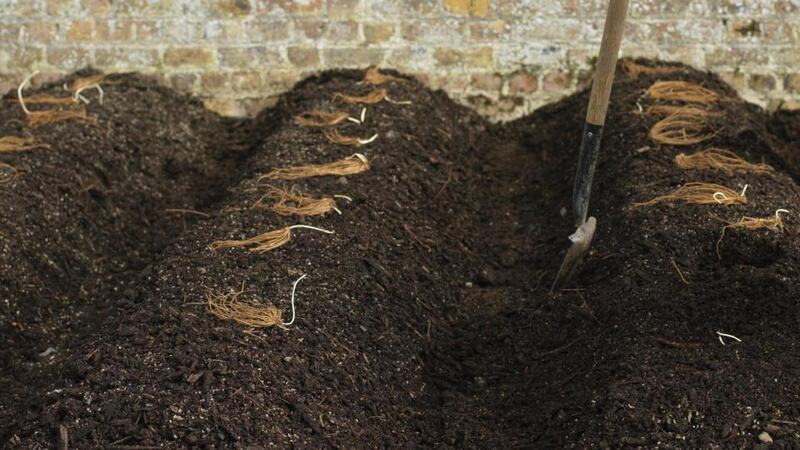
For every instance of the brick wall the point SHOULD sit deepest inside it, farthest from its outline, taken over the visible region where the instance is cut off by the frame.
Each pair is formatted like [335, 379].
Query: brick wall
[505, 57]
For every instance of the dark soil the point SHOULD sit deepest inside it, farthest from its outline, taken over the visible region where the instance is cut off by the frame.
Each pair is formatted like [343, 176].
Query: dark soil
[88, 213]
[425, 320]
[785, 126]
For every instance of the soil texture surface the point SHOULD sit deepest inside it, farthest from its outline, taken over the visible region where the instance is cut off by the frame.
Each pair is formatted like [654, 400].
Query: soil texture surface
[424, 318]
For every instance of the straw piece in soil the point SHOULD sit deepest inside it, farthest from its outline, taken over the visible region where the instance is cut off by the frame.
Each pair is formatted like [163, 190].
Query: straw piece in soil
[351, 165]
[699, 194]
[290, 202]
[681, 91]
[13, 144]
[38, 118]
[375, 77]
[228, 306]
[82, 84]
[7, 172]
[772, 223]
[368, 99]
[48, 100]
[259, 244]
[634, 69]
[719, 159]
[338, 138]
[689, 110]
[86, 82]
[264, 242]
[681, 129]
[320, 119]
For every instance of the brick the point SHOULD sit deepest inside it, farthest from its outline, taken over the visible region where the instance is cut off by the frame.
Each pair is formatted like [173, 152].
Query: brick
[160, 8]
[486, 82]
[472, 57]
[267, 30]
[779, 32]
[745, 7]
[352, 57]
[127, 58]
[690, 54]
[253, 56]
[736, 79]
[25, 8]
[762, 82]
[253, 106]
[280, 81]
[46, 77]
[343, 9]
[721, 57]
[246, 81]
[447, 31]
[479, 8]
[303, 57]
[333, 32]
[583, 78]
[9, 33]
[488, 31]
[114, 31]
[63, 8]
[69, 58]
[311, 29]
[184, 82]
[403, 8]
[337, 32]
[226, 31]
[175, 31]
[415, 59]
[451, 83]
[790, 105]
[523, 83]
[225, 106]
[785, 57]
[232, 7]
[631, 52]
[557, 80]
[378, 33]
[188, 56]
[670, 8]
[299, 7]
[792, 83]
[744, 28]
[587, 9]
[24, 58]
[531, 55]
[81, 30]
[39, 32]
[146, 30]
[786, 7]
[96, 7]
[544, 29]
[213, 82]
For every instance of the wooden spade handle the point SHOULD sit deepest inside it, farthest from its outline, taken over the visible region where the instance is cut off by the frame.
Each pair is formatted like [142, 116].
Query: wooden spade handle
[606, 62]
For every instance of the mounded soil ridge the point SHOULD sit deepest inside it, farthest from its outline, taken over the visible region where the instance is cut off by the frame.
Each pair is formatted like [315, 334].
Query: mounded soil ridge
[425, 319]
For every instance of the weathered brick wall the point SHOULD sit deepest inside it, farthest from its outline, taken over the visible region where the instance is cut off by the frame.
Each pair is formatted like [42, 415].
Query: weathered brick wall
[503, 56]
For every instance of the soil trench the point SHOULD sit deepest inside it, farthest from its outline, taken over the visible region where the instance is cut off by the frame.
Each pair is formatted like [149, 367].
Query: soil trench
[425, 319]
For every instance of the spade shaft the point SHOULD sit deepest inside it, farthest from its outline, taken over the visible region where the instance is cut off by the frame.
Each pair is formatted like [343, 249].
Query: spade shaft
[590, 139]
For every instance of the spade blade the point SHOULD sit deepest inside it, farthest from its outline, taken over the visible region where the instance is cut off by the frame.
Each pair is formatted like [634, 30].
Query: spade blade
[580, 242]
